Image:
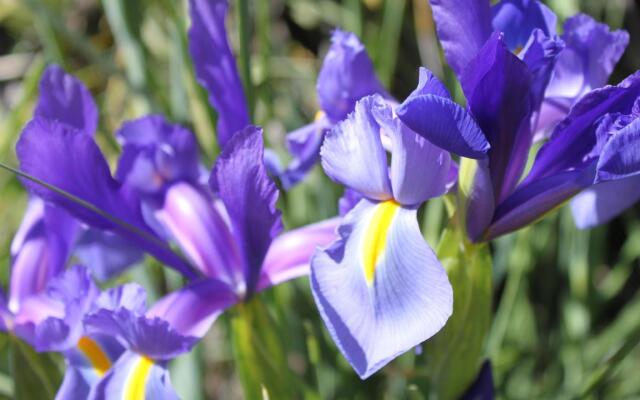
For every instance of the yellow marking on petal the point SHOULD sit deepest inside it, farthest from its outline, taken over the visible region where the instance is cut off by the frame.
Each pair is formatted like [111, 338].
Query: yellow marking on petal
[375, 239]
[96, 356]
[518, 50]
[319, 115]
[136, 385]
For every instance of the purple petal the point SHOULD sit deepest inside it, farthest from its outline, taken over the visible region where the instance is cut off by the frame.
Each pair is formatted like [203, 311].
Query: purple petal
[65, 99]
[419, 170]
[620, 157]
[304, 145]
[482, 387]
[348, 200]
[106, 254]
[346, 76]
[130, 296]
[590, 55]
[380, 294]
[191, 218]
[429, 84]
[602, 202]
[481, 202]
[153, 337]
[215, 66]
[352, 152]
[532, 201]
[290, 253]
[40, 250]
[73, 386]
[90, 359]
[240, 180]
[156, 153]
[463, 26]
[517, 19]
[445, 124]
[192, 310]
[71, 161]
[498, 88]
[540, 55]
[575, 138]
[135, 376]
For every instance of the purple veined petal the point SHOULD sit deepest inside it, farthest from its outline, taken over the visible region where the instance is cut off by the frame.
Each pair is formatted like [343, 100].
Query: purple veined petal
[192, 309]
[463, 26]
[73, 386]
[540, 55]
[517, 19]
[135, 376]
[65, 99]
[498, 89]
[380, 289]
[152, 336]
[445, 124]
[90, 359]
[240, 180]
[346, 76]
[106, 254]
[481, 203]
[290, 253]
[130, 296]
[156, 153]
[575, 137]
[429, 84]
[482, 387]
[352, 152]
[620, 157]
[204, 236]
[532, 201]
[419, 170]
[591, 53]
[71, 161]
[215, 66]
[304, 146]
[452, 178]
[602, 202]
[40, 250]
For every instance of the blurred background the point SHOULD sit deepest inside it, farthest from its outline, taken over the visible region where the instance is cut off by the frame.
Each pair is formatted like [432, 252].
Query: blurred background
[567, 302]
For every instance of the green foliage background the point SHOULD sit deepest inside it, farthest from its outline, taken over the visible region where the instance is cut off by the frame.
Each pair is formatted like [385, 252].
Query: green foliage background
[566, 302]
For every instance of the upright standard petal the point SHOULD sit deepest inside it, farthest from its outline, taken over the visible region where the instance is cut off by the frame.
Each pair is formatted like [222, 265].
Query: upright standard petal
[419, 170]
[517, 19]
[192, 309]
[65, 99]
[591, 53]
[135, 376]
[601, 203]
[240, 180]
[196, 225]
[352, 152]
[156, 153]
[215, 66]
[540, 55]
[463, 26]
[498, 89]
[304, 146]
[40, 250]
[380, 288]
[289, 254]
[106, 254]
[68, 160]
[346, 76]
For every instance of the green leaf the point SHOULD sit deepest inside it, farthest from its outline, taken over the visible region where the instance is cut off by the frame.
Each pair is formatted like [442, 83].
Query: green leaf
[35, 375]
[260, 354]
[456, 353]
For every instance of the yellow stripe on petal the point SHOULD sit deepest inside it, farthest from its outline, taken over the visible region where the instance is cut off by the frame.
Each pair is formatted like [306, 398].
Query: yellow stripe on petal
[375, 238]
[96, 356]
[137, 383]
[319, 115]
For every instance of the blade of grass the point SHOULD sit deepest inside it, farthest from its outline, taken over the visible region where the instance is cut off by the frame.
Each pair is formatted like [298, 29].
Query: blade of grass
[244, 26]
[388, 42]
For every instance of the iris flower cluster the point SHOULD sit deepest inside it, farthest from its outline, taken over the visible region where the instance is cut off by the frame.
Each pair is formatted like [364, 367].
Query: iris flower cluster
[378, 285]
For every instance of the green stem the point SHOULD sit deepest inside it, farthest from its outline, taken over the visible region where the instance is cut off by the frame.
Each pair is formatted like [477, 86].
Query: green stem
[244, 26]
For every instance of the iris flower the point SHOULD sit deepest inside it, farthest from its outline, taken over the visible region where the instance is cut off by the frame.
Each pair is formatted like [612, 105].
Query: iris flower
[380, 288]
[504, 94]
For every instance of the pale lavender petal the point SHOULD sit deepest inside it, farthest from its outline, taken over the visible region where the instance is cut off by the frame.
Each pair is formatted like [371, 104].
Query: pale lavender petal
[603, 202]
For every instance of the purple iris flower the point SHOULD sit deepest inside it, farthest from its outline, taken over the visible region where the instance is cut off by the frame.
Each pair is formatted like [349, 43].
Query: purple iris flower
[346, 76]
[482, 388]
[399, 294]
[504, 94]
[233, 238]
